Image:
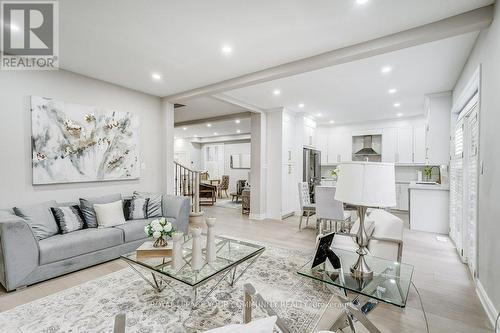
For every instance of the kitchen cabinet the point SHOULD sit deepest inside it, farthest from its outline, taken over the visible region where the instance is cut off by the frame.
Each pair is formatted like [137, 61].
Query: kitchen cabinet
[309, 138]
[429, 208]
[322, 144]
[389, 145]
[438, 118]
[339, 146]
[419, 144]
[405, 145]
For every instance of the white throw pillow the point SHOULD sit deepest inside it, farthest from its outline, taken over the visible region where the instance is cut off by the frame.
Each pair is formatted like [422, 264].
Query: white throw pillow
[109, 214]
[264, 325]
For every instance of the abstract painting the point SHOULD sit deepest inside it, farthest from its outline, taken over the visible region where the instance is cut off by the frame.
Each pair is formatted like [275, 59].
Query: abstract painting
[77, 143]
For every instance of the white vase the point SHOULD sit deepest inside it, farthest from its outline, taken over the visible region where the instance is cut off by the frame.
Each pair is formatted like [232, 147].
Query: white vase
[211, 251]
[177, 259]
[196, 253]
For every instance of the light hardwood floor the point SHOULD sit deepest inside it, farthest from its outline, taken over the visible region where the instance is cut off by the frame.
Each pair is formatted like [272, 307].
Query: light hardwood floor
[443, 281]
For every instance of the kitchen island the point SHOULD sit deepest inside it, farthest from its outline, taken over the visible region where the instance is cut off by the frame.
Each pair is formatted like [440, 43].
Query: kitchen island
[429, 207]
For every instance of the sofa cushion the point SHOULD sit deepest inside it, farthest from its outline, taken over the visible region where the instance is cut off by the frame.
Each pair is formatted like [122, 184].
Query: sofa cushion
[87, 206]
[154, 204]
[134, 230]
[39, 218]
[76, 243]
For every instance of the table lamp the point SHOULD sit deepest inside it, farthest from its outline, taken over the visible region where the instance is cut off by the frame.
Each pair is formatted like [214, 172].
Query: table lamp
[365, 184]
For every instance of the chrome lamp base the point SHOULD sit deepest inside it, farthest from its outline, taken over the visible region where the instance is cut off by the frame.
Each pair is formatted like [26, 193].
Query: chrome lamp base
[360, 269]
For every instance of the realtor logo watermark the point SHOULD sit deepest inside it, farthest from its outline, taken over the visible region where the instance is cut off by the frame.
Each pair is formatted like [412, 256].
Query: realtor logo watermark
[30, 35]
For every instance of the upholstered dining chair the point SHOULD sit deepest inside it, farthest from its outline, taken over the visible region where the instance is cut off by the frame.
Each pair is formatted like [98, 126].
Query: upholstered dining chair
[307, 208]
[223, 186]
[330, 210]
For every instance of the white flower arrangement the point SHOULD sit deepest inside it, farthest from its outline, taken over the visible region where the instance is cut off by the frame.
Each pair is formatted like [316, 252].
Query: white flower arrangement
[159, 228]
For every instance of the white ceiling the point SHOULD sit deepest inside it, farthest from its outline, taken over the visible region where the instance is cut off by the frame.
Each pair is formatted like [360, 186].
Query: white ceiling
[125, 41]
[358, 91]
[204, 107]
[222, 128]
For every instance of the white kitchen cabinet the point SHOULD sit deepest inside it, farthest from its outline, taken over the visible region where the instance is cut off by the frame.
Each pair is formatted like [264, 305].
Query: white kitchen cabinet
[419, 145]
[438, 115]
[339, 146]
[389, 145]
[405, 145]
[309, 139]
[402, 197]
[322, 144]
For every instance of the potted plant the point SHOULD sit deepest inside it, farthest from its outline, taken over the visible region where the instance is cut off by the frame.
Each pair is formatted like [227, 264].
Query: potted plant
[159, 229]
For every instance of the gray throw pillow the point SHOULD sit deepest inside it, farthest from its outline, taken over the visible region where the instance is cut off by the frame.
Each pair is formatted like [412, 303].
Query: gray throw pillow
[87, 207]
[154, 204]
[39, 218]
[136, 209]
[68, 218]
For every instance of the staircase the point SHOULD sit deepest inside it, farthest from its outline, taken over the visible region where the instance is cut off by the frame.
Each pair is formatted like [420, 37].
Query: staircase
[187, 183]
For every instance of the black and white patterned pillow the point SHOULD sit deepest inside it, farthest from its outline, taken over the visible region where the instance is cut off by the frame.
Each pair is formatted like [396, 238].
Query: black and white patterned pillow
[154, 205]
[136, 208]
[68, 218]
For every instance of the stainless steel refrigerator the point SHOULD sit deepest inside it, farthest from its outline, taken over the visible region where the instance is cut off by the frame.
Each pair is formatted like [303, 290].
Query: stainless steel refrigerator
[312, 169]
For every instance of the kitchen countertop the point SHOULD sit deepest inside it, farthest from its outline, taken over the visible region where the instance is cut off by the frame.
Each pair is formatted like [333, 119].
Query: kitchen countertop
[437, 187]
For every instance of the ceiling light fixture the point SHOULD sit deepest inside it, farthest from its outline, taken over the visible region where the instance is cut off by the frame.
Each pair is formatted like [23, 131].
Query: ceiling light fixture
[399, 115]
[386, 69]
[319, 115]
[156, 76]
[238, 131]
[195, 136]
[215, 133]
[237, 121]
[226, 49]
[301, 105]
[14, 27]
[397, 105]
[332, 121]
[277, 92]
[361, 2]
[392, 91]
[184, 128]
[209, 125]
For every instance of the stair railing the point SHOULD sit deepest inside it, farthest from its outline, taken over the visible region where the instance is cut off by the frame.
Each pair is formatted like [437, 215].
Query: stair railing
[187, 183]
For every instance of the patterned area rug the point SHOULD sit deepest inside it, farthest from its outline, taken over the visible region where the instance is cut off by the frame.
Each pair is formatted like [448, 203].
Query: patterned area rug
[92, 306]
[228, 203]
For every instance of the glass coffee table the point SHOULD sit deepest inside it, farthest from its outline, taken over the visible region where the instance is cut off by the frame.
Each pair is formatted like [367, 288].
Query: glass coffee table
[231, 254]
[390, 284]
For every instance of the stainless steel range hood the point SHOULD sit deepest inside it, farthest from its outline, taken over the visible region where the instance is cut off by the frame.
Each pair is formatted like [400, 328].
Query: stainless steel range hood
[367, 149]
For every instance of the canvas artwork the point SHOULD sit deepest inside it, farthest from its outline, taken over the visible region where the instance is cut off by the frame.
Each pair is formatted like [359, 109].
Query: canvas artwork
[77, 143]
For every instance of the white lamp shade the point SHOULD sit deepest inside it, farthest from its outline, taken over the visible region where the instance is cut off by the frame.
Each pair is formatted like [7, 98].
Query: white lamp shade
[367, 184]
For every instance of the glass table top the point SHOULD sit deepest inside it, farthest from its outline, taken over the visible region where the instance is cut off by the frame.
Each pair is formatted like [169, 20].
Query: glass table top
[230, 253]
[390, 282]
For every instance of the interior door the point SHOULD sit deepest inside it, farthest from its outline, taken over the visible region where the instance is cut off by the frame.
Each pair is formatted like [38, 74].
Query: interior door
[456, 188]
[471, 187]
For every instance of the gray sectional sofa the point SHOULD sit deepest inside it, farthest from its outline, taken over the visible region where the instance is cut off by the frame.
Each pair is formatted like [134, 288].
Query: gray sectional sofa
[25, 260]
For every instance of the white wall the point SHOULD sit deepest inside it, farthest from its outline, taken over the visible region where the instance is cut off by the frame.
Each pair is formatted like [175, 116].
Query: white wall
[192, 150]
[234, 148]
[487, 53]
[15, 133]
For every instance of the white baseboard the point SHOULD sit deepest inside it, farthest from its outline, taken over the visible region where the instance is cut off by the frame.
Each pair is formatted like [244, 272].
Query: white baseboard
[257, 216]
[488, 306]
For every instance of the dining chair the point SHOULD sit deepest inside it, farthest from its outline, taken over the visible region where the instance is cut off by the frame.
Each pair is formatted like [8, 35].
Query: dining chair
[330, 210]
[306, 207]
[223, 186]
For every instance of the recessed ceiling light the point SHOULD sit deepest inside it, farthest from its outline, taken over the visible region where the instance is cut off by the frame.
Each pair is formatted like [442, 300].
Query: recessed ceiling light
[399, 115]
[184, 128]
[319, 115]
[195, 136]
[209, 125]
[215, 133]
[226, 49]
[397, 105]
[361, 2]
[332, 121]
[301, 105]
[156, 76]
[238, 131]
[14, 27]
[392, 91]
[277, 92]
[237, 121]
[386, 69]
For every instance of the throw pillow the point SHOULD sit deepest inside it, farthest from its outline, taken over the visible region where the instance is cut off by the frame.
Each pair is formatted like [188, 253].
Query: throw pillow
[68, 218]
[109, 214]
[136, 208]
[87, 207]
[154, 204]
[264, 325]
[39, 218]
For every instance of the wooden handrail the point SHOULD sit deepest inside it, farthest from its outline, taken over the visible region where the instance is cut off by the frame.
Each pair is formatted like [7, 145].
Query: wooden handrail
[187, 183]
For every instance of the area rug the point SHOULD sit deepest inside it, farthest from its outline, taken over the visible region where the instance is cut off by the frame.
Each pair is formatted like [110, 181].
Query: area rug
[92, 306]
[227, 203]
